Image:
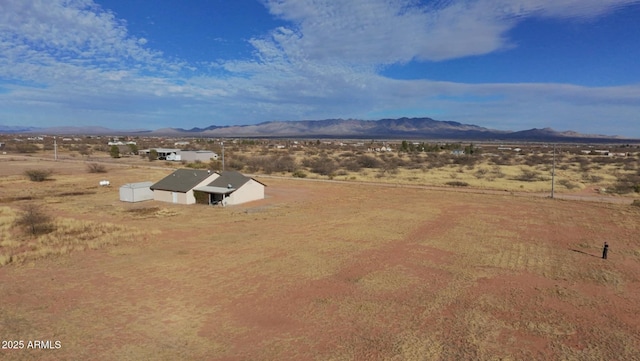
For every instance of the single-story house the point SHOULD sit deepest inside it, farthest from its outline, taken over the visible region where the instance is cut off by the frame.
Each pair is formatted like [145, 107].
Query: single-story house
[173, 154]
[178, 186]
[230, 188]
[136, 192]
[188, 186]
[163, 153]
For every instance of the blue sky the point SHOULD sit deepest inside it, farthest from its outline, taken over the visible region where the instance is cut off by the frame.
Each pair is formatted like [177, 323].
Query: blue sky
[501, 64]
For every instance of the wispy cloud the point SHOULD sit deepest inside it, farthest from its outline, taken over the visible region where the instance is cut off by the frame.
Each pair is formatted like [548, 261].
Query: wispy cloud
[398, 31]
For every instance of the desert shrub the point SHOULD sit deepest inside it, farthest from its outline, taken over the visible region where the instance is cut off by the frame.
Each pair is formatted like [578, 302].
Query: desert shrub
[527, 175]
[367, 161]
[153, 155]
[567, 184]
[35, 220]
[84, 149]
[26, 148]
[114, 151]
[457, 184]
[469, 161]
[350, 164]
[254, 164]
[197, 164]
[496, 172]
[390, 165]
[96, 168]
[282, 163]
[299, 174]
[636, 203]
[481, 173]
[235, 163]
[591, 178]
[436, 161]
[627, 183]
[604, 160]
[415, 162]
[38, 175]
[323, 165]
[504, 159]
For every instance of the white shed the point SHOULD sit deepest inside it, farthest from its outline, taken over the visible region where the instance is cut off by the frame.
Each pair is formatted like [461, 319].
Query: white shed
[136, 192]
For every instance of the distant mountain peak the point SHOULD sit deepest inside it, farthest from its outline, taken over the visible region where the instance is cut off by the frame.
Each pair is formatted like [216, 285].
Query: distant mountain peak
[389, 128]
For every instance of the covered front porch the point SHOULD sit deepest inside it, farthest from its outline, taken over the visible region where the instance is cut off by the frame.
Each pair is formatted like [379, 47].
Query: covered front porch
[212, 195]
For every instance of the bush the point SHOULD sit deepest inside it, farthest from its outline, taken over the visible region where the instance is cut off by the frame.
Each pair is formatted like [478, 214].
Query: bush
[299, 174]
[567, 184]
[34, 220]
[281, 163]
[628, 183]
[114, 151]
[529, 176]
[153, 155]
[38, 175]
[236, 163]
[367, 161]
[351, 165]
[457, 184]
[481, 173]
[591, 178]
[197, 164]
[26, 148]
[96, 168]
[323, 165]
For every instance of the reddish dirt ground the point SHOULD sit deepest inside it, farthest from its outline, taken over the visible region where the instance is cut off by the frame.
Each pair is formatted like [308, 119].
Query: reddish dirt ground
[331, 271]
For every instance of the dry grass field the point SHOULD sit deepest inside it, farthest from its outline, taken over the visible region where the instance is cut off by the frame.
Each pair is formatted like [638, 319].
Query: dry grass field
[316, 271]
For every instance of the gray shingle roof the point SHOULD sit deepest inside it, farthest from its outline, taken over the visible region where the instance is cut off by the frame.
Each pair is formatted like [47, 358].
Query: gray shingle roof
[182, 180]
[233, 178]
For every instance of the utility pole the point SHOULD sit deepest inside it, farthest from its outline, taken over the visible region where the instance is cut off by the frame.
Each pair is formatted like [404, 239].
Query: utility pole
[222, 143]
[553, 171]
[55, 149]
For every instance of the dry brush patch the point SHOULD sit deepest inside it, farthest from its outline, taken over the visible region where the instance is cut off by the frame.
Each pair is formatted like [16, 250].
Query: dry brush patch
[65, 236]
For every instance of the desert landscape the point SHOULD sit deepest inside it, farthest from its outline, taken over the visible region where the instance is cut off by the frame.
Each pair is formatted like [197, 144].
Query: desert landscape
[368, 264]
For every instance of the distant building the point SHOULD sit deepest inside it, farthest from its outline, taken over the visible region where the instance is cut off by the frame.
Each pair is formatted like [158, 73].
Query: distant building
[163, 153]
[173, 154]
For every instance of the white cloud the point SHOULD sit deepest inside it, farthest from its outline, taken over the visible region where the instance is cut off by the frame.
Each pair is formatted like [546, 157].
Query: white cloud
[398, 31]
[49, 34]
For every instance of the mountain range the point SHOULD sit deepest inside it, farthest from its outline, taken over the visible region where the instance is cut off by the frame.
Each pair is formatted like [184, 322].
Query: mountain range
[401, 128]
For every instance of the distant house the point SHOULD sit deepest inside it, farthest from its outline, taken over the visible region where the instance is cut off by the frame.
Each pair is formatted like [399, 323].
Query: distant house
[136, 192]
[196, 155]
[173, 154]
[230, 188]
[163, 153]
[178, 186]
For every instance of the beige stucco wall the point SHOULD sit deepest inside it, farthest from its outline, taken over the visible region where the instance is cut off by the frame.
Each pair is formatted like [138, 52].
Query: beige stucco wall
[163, 196]
[250, 191]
